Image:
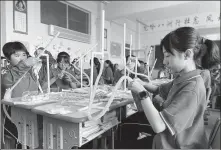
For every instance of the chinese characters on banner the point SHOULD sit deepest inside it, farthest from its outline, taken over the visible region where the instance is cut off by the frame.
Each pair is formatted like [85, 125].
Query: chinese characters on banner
[198, 20]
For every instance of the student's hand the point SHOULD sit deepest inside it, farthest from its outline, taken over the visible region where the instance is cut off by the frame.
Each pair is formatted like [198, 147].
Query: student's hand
[136, 87]
[31, 61]
[60, 75]
[67, 78]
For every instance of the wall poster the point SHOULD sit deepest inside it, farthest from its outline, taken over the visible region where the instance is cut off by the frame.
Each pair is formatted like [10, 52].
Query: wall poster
[115, 49]
[20, 17]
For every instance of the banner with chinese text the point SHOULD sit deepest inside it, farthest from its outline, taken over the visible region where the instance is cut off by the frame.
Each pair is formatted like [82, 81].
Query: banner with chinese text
[196, 20]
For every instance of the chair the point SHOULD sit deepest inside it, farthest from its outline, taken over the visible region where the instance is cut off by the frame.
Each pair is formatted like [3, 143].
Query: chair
[214, 139]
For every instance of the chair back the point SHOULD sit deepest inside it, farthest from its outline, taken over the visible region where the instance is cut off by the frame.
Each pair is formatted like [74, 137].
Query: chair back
[214, 139]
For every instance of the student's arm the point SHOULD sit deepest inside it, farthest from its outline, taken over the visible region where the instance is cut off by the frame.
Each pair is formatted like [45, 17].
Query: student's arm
[177, 116]
[153, 115]
[150, 111]
[52, 80]
[148, 86]
[208, 93]
[16, 72]
[54, 75]
[207, 80]
[162, 90]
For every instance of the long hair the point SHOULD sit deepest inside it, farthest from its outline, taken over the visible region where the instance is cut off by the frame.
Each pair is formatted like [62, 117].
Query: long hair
[110, 64]
[97, 64]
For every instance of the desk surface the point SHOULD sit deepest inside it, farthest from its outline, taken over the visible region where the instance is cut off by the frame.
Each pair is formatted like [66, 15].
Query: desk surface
[60, 111]
[70, 113]
[18, 103]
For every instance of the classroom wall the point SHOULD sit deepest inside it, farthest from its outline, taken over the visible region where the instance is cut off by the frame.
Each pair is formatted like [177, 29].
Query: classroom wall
[198, 7]
[116, 34]
[37, 30]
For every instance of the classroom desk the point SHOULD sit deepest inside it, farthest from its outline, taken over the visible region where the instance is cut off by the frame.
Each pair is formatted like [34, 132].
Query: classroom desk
[25, 121]
[59, 131]
[64, 131]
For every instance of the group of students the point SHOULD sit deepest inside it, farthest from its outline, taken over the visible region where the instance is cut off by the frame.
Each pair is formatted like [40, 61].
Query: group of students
[179, 123]
[63, 73]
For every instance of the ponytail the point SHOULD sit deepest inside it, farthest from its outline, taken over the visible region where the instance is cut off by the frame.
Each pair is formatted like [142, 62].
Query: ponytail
[211, 54]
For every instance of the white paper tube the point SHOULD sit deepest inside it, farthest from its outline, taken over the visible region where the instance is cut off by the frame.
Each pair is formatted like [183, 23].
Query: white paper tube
[102, 33]
[92, 70]
[81, 73]
[153, 67]
[82, 56]
[48, 71]
[124, 58]
[148, 61]
[130, 45]
[136, 64]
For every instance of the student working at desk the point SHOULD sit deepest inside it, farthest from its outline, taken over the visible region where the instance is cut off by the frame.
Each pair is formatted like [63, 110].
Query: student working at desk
[64, 80]
[20, 62]
[180, 123]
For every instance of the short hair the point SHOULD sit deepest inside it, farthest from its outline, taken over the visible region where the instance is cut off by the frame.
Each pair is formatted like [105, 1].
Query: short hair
[12, 47]
[63, 55]
[140, 61]
[128, 57]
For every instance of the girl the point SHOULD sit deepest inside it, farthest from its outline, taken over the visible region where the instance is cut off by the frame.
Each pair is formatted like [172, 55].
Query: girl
[96, 69]
[64, 80]
[180, 123]
[116, 67]
[108, 72]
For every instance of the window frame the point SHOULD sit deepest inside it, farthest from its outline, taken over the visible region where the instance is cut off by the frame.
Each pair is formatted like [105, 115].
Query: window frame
[67, 19]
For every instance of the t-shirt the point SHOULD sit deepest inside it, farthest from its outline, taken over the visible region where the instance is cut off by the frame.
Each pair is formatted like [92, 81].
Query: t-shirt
[61, 83]
[117, 75]
[206, 78]
[108, 73]
[182, 113]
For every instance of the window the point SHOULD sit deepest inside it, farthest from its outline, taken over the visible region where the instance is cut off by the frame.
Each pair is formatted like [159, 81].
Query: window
[65, 15]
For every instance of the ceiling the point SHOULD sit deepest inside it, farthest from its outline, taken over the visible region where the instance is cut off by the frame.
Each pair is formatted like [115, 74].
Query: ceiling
[147, 11]
[176, 11]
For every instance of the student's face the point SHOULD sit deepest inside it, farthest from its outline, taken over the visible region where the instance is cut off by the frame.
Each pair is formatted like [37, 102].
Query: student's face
[131, 64]
[63, 65]
[77, 64]
[106, 64]
[38, 51]
[17, 57]
[117, 67]
[175, 63]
